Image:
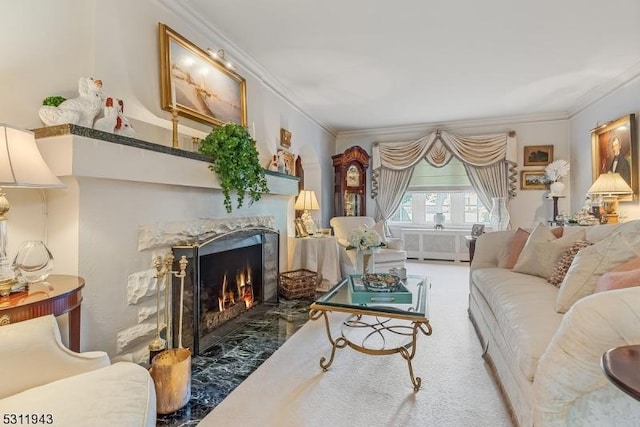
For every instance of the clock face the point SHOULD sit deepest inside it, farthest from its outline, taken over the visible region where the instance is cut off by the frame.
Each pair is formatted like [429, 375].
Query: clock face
[353, 176]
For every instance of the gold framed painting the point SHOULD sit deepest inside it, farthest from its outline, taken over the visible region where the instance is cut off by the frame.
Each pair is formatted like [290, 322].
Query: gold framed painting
[285, 138]
[533, 180]
[614, 148]
[538, 155]
[198, 86]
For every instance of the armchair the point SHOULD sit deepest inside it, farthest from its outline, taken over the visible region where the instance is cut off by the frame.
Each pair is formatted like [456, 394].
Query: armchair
[77, 389]
[389, 256]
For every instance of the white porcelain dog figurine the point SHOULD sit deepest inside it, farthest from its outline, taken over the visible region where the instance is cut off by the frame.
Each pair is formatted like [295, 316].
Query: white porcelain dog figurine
[80, 111]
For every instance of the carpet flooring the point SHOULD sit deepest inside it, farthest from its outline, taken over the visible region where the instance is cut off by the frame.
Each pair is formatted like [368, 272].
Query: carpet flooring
[290, 388]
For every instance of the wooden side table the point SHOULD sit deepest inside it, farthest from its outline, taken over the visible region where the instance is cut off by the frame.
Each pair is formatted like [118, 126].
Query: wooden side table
[471, 244]
[60, 294]
[621, 366]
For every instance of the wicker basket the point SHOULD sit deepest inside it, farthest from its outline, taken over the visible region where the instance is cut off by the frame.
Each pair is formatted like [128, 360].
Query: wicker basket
[298, 284]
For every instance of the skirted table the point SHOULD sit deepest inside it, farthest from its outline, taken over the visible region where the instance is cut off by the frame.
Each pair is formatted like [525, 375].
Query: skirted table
[319, 254]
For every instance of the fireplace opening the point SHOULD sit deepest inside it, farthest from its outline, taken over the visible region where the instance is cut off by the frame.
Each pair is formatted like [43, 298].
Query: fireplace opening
[230, 283]
[226, 277]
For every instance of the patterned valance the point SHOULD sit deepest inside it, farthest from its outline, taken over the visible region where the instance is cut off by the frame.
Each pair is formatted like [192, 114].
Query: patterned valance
[438, 147]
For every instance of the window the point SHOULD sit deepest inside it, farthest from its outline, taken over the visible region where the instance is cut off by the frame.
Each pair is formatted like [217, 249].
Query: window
[444, 190]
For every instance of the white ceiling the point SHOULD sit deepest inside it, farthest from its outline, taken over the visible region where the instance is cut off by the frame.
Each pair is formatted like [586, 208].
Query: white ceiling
[365, 64]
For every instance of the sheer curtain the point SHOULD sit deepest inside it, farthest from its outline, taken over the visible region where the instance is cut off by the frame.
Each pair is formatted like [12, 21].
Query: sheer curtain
[489, 160]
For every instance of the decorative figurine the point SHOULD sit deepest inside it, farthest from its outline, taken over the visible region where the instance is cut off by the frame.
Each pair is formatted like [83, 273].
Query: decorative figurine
[81, 111]
[107, 122]
[123, 127]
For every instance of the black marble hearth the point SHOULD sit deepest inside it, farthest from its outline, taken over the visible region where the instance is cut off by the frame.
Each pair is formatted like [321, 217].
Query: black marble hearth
[244, 343]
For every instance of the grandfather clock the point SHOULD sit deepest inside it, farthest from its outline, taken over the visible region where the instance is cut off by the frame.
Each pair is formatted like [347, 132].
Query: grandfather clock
[350, 182]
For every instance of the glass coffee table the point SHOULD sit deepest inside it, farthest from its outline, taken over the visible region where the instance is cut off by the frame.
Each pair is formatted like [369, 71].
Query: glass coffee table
[380, 323]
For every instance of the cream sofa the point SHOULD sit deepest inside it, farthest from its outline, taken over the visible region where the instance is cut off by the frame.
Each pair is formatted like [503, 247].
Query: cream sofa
[392, 255]
[42, 378]
[548, 363]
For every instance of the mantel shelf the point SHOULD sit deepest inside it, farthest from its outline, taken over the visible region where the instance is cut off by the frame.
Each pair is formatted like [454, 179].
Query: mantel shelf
[72, 150]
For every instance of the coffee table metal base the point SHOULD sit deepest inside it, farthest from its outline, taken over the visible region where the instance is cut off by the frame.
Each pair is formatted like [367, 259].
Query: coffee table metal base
[375, 335]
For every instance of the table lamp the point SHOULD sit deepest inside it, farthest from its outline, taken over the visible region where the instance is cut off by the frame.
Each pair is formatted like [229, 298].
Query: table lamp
[609, 186]
[21, 166]
[307, 201]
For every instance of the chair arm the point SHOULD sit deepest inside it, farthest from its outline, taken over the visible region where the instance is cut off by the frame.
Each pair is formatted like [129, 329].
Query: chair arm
[491, 248]
[569, 385]
[34, 355]
[395, 243]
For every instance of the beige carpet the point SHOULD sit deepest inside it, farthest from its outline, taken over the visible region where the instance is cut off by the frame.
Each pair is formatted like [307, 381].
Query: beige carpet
[290, 389]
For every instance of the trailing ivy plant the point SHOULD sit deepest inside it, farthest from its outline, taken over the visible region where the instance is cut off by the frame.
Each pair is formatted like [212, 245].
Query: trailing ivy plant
[234, 158]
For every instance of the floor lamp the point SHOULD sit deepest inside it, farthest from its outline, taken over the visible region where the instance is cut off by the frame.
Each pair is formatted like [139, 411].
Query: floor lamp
[21, 166]
[609, 186]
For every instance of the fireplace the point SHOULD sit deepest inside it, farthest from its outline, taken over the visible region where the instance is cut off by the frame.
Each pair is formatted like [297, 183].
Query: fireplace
[227, 275]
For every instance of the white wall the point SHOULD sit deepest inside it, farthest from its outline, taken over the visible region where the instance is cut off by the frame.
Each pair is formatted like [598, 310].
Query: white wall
[48, 45]
[529, 206]
[625, 100]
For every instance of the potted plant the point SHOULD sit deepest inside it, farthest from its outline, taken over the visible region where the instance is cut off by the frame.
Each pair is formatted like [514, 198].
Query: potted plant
[234, 158]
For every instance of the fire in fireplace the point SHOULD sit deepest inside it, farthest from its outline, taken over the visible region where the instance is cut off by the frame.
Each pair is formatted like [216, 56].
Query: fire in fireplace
[226, 277]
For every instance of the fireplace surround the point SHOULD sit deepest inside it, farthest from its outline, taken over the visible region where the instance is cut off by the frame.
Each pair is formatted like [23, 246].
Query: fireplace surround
[227, 275]
[128, 201]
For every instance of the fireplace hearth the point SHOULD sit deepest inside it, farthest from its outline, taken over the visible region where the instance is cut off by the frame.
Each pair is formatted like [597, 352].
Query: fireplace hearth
[227, 275]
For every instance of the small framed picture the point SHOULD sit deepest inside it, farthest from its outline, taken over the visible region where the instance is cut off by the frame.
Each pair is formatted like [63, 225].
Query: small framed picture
[477, 229]
[533, 180]
[285, 138]
[289, 162]
[538, 155]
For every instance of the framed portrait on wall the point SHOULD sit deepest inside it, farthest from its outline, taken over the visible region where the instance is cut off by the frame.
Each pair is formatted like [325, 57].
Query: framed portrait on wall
[614, 148]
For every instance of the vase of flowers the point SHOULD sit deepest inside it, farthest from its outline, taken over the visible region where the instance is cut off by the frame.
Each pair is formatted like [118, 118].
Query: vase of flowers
[554, 173]
[366, 242]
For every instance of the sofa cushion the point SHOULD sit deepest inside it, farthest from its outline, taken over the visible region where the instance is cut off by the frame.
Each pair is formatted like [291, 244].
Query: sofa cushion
[618, 280]
[589, 264]
[523, 307]
[543, 250]
[562, 266]
[122, 394]
[383, 255]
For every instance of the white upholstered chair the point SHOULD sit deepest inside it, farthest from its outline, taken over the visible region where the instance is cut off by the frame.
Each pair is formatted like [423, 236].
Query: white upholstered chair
[39, 374]
[389, 256]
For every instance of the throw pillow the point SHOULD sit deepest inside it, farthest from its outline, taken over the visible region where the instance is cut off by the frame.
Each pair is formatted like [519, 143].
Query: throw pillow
[618, 280]
[515, 247]
[543, 250]
[632, 264]
[517, 244]
[587, 267]
[562, 266]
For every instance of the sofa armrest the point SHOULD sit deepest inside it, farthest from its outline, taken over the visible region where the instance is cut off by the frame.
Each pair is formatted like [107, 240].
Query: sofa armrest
[569, 385]
[491, 248]
[395, 243]
[34, 355]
